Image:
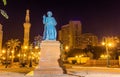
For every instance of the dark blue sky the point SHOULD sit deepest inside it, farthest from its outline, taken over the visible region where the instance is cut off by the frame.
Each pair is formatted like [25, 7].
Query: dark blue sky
[100, 17]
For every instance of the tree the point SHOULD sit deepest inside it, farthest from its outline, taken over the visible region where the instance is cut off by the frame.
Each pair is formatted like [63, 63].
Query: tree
[4, 14]
[12, 45]
[37, 40]
[94, 51]
[4, 2]
[74, 52]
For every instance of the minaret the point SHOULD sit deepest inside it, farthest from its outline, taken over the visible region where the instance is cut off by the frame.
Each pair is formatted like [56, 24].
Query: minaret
[1, 36]
[27, 26]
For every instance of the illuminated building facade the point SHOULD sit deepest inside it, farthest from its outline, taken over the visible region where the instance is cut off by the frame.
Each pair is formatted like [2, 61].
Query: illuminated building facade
[71, 35]
[68, 33]
[86, 39]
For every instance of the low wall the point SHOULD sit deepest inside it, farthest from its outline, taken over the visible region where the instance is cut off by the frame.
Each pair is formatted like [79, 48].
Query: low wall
[102, 62]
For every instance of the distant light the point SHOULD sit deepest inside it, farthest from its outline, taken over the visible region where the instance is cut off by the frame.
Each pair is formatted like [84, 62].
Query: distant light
[18, 55]
[24, 55]
[39, 53]
[76, 56]
[110, 44]
[36, 47]
[25, 47]
[103, 43]
[3, 51]
[66, 47]
[3, 58]
[12, 51]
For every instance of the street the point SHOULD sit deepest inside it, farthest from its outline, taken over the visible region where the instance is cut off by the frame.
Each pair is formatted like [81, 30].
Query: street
[94, 71]
[74, 70]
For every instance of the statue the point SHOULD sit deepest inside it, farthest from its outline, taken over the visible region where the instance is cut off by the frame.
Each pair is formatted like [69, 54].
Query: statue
[49, 27]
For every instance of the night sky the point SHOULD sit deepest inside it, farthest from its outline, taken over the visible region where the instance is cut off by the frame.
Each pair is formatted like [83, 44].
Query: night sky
[100, 17]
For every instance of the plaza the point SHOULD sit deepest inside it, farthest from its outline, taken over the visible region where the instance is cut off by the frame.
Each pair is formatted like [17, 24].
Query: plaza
[77, 39]
[76, 71]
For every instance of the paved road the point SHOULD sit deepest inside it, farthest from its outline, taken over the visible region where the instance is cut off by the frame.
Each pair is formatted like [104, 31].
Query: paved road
[17, 70]
[94, 71]
[75, 70]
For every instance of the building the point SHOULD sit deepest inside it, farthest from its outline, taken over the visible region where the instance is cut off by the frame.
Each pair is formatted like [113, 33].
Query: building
[68, 33]
[71, 36]
[86, 39]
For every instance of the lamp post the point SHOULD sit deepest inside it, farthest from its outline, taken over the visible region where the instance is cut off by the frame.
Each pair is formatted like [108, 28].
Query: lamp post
[37, 54]
[107, 44]
[30, 65]
[23, 55]
[66, 51]
[7, 54]
[107, 55]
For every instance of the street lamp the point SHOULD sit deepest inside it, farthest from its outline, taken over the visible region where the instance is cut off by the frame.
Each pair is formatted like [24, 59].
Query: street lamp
[7, 54]
[3, 51]
[66, 49]
[107, 44]
[30, 65]
[36, 54]
[25, 53]
[25, 47]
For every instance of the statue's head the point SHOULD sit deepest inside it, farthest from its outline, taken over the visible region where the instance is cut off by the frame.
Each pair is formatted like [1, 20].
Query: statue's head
[49, 13]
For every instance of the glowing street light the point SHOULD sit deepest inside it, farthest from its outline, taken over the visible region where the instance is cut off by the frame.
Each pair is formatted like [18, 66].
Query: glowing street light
[25, 47]
[107, 44]
[66, 48]
[36, 47]
[3, 51]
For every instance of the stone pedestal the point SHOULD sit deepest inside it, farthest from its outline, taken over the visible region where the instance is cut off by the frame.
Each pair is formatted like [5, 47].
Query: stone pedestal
[48, 63]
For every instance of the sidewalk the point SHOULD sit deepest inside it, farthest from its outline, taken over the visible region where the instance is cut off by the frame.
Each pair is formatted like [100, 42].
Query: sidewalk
[11, 74]
[94, 71]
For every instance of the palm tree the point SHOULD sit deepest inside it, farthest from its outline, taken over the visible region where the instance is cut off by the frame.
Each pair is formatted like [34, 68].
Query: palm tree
[4, 2]
[13, 44]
